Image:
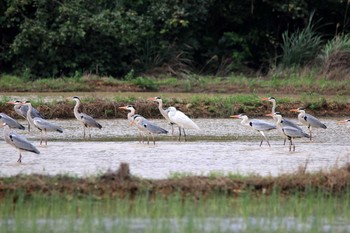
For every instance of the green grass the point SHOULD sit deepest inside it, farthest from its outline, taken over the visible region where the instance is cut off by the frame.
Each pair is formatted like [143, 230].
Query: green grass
[309, 212]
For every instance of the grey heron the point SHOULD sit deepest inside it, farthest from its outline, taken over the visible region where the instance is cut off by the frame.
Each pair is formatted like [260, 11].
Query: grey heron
[23, 109]
[183, 121]
[163, 111]
[86, 120]
[288, 132]
[285, 122]
[148, 127]
[143, 125]
[308, 120]
[18, 141]
[12, 123]
[258, 125]
[41, 124]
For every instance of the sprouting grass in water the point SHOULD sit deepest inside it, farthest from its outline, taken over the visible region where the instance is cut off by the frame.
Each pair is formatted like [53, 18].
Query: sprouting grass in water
[298, 212]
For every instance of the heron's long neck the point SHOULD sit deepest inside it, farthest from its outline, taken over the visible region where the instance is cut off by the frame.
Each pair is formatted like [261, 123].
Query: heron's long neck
[29, 115]
[245, 121]
[76, 107]
[162, 111]
[130, 114]
[273, 106]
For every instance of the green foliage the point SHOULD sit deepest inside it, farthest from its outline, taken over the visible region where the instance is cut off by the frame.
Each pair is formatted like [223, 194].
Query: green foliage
[44, 38]
[301, 46]
[145, 83]
[339, 44]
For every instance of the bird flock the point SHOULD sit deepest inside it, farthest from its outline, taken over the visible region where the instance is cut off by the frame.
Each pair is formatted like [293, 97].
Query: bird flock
[286, 128]
[144, 126]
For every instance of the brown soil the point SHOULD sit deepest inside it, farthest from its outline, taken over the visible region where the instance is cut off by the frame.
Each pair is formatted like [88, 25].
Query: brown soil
[109, 109]
[122, 184]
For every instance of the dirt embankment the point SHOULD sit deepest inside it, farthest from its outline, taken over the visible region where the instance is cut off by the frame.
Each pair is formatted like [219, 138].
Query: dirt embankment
[122, 184]
[109, 109]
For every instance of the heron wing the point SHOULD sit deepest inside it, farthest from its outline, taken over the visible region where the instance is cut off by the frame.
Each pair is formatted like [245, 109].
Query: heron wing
[12, 123]
[294, 132]
[43, 124]
[314, 122]
[262, 125]
[88, 121]
[153, 128]
[22, 143]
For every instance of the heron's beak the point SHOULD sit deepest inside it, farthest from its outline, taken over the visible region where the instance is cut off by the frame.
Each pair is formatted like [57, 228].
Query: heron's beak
[11, 102]
[234, 116]
[269, 114]
[264, 98]
[132, 123]
[123, 107]
[342, 122]
[151, 99]
[294, 110]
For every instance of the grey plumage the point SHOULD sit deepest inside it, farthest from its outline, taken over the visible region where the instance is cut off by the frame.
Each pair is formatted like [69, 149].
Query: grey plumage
[285, 122]
[289, 132]
[148, 127]
[143, 125]
[258, 125]
[41, 124]
[19, 142]
[23, 109]
[309, 120]
[12, 123]
[86, 120]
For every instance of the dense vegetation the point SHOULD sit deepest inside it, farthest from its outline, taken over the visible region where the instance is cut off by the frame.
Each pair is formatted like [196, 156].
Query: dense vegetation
[45, 38]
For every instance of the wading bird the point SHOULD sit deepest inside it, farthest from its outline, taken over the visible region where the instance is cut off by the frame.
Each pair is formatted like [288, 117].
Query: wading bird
[86, 120]
[308, 120]
[285, 122]
[12, 123]
[183, 121]
[23, 109]
[258, 125]
[288, 132]
[41, 124]
[147, 127]
[18, 141]
[163, 111]
[143, 125]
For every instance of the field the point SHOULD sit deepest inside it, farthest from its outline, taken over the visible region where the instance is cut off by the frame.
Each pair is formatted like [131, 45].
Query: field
[118, 201]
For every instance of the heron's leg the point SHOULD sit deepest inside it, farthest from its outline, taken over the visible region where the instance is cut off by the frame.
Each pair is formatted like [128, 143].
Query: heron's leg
[183, 129]
[41, 137]
[20, 158]
[293, 144]
[290, 144]
[154, 141]
[147, 139]
[179, 133]
[172, 128]
[310, 133]
[45, 135]
[262, 133]
[284, 143]
[84, 130]
[28, 126]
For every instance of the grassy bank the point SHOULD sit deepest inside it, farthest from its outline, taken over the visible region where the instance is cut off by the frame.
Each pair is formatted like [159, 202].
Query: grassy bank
[196, 105]
[117, 201]
[294, 83]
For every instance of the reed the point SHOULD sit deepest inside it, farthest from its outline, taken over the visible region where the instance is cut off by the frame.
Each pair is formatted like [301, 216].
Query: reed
[300, 212]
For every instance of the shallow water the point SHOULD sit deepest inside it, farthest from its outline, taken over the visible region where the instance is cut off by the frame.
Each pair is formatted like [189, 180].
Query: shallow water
[208, 224]
[222, 146]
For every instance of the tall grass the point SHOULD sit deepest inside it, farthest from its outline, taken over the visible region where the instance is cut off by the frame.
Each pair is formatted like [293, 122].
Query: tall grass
[300, 47]
[310, 212]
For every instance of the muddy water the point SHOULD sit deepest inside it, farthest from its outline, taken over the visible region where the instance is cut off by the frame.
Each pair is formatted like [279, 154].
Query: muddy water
[222, 146]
